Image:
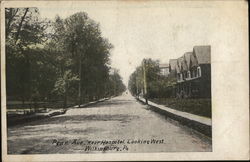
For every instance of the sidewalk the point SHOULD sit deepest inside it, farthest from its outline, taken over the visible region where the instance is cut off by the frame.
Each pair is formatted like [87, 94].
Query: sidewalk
[199, 123]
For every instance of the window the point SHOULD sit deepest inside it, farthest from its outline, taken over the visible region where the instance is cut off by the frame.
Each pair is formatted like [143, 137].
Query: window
[193, 73]
[188, 74]
[185, 75]
[199, 71]
[181, 77]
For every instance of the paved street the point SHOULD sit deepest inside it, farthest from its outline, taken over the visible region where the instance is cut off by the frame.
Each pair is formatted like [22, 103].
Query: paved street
[120, 124]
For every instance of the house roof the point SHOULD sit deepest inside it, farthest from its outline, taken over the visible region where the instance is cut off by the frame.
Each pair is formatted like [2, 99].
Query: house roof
[202, 54]
[187, 57]
[172, 64]
[164, 65]
[180, 62]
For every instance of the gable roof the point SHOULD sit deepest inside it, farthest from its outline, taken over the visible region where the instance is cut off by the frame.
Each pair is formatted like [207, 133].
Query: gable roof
[180, 62]
[187, 57]
[172, 64]
[202, 54]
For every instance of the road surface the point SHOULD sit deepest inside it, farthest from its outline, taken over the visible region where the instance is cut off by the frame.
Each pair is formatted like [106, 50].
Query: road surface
[120, 124]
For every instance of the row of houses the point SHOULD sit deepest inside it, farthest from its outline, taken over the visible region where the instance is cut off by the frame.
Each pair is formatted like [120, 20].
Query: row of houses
[192, 72]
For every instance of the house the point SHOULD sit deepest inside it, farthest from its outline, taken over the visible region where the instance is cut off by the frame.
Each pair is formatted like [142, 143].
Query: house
[179, 69]
[193, 72]
[173, 67]
[164, 69]
[186, 65]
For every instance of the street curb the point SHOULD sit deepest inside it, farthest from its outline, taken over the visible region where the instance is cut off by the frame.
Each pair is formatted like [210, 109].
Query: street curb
[202, 127]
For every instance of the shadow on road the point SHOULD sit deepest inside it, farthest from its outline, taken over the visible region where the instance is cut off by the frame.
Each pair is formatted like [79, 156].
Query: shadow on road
[110, 103]
[83, 118]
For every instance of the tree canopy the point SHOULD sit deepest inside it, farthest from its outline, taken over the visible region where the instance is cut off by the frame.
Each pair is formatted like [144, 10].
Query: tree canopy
[157, 85]
[64, 59]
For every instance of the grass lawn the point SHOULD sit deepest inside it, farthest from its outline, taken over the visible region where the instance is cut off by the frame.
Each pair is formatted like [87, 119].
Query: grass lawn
[200, 107]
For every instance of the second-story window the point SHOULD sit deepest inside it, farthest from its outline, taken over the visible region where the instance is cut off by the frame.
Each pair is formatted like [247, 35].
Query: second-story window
[181, 77]
[185, 75]
[188, 74]
[193, 73]
[199, 71]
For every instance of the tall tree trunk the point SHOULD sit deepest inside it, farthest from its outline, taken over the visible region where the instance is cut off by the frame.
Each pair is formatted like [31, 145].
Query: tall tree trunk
[20, 24]
[13, 14]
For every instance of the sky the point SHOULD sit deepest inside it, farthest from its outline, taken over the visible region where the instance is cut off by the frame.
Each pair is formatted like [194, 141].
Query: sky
[142, 29]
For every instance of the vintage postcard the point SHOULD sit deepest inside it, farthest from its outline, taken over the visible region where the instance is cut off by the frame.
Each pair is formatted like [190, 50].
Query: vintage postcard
[124, 80]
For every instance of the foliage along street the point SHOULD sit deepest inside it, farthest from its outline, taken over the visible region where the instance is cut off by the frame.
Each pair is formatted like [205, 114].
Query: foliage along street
[62, 60]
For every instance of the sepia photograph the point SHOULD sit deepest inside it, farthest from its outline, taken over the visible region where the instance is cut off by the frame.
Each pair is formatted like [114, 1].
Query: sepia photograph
[109, 77]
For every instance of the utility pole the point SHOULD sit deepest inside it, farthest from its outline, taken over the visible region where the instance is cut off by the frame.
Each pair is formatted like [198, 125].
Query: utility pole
[145, 81]
[136, 84]
[115, 88]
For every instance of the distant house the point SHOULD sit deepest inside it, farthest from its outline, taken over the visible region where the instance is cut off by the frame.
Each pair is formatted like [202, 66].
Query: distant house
[186, 65]
[179, 69]
[173, 67]
[164, 69]
[193, 72]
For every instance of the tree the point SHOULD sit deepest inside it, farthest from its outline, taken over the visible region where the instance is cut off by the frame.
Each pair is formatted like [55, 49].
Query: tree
[137, 80]
[24, 31]
[81, 54]
[90, 52]
[65, 60]
[157, 86]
